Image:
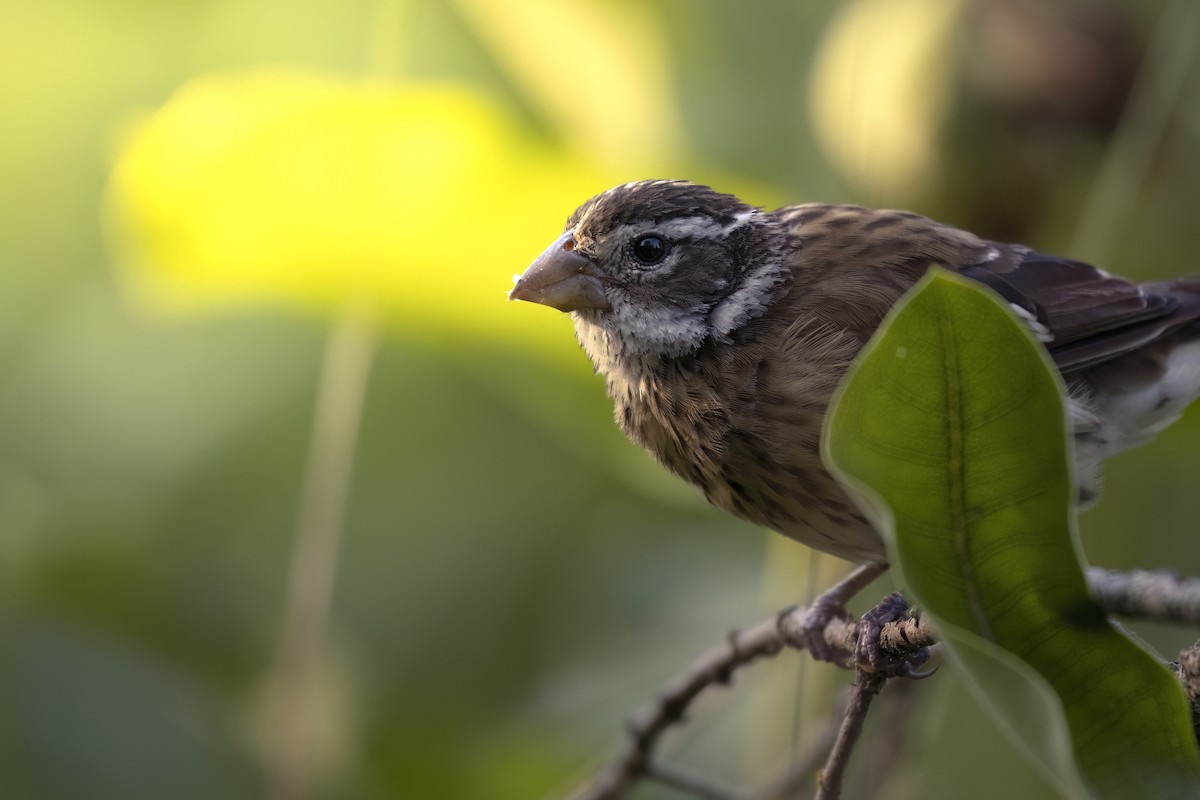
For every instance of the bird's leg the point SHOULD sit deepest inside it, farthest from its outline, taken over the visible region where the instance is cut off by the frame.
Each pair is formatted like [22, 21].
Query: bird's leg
[831, 604]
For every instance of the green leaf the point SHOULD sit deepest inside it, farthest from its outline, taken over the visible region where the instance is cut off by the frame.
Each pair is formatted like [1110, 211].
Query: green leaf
[950, 430]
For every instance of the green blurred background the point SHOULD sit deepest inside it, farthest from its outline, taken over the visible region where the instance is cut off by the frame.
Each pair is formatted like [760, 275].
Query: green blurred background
[514, 577]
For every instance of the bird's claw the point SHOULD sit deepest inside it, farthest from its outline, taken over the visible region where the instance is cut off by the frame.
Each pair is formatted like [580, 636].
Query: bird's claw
[869, 654]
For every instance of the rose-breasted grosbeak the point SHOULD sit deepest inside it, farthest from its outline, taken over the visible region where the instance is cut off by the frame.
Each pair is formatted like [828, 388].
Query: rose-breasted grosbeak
[722, 331]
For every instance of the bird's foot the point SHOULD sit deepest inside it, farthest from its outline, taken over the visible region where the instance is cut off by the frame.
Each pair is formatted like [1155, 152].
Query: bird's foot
[810, 631]
[869, 654]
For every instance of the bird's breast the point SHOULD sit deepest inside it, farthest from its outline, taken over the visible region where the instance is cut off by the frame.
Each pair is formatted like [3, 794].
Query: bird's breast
[754, 464]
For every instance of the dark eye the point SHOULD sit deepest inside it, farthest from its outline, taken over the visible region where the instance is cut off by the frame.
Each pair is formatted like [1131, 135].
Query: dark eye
[650, 249]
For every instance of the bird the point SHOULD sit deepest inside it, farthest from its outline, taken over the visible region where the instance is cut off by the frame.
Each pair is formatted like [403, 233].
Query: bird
[722, 331]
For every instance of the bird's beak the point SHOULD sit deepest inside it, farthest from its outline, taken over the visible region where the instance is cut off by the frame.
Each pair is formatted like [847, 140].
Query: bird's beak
[563, 278]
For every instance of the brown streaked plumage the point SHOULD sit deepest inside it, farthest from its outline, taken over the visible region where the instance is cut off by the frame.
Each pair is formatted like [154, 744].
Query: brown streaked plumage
[722, 331]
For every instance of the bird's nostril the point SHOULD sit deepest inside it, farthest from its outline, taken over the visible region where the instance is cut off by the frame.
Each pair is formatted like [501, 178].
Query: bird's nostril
[569, 244]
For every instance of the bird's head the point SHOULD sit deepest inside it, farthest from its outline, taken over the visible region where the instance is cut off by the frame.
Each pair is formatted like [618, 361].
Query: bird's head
[661, 266]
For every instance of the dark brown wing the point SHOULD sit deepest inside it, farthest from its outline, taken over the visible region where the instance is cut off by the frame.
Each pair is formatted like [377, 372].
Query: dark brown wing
[1088, 316]
[856, 262]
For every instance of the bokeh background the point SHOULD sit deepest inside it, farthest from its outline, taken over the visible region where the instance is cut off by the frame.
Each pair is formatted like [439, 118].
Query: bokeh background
[232, 230]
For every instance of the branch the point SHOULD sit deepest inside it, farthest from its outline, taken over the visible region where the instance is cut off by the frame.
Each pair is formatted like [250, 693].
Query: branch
[715, 666]
[1187, 670]
[1160, 595]
[867, 685]
[686, 781]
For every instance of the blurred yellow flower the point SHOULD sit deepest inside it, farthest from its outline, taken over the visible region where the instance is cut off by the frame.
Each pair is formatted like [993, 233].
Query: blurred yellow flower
[415, 201]
[880, 87]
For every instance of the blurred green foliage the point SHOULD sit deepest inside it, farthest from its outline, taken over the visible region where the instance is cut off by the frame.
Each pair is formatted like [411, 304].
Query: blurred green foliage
[515, 578]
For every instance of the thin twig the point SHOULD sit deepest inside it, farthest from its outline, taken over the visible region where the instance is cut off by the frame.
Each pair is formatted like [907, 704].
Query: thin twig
[1159, 89]
[715, 666]
[693, 783]
[340, 393]
[898, 709]
[803, 766]
[866, 688]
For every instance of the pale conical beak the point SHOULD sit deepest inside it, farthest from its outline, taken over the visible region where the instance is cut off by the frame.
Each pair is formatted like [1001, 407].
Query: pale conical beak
[563, 278]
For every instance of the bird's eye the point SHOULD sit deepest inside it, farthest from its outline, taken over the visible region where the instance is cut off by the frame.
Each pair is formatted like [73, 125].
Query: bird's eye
[650, 249]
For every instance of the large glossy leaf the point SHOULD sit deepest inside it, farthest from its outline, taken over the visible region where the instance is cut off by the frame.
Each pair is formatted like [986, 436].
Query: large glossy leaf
[950, 430]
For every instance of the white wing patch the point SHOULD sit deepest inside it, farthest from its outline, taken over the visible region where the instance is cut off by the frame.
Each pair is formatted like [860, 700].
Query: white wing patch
[1042, 333]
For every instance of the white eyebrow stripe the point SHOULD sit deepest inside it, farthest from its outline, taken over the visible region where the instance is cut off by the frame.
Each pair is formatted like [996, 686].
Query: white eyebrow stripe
[740, 220]
[694, 227]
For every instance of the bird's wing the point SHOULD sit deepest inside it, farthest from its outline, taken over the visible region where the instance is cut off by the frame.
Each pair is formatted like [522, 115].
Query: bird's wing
[861, 260]
[1082, 314]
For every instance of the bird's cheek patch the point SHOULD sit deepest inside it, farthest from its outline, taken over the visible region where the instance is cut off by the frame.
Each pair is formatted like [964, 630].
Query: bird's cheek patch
[756, 292]
[657, 328]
